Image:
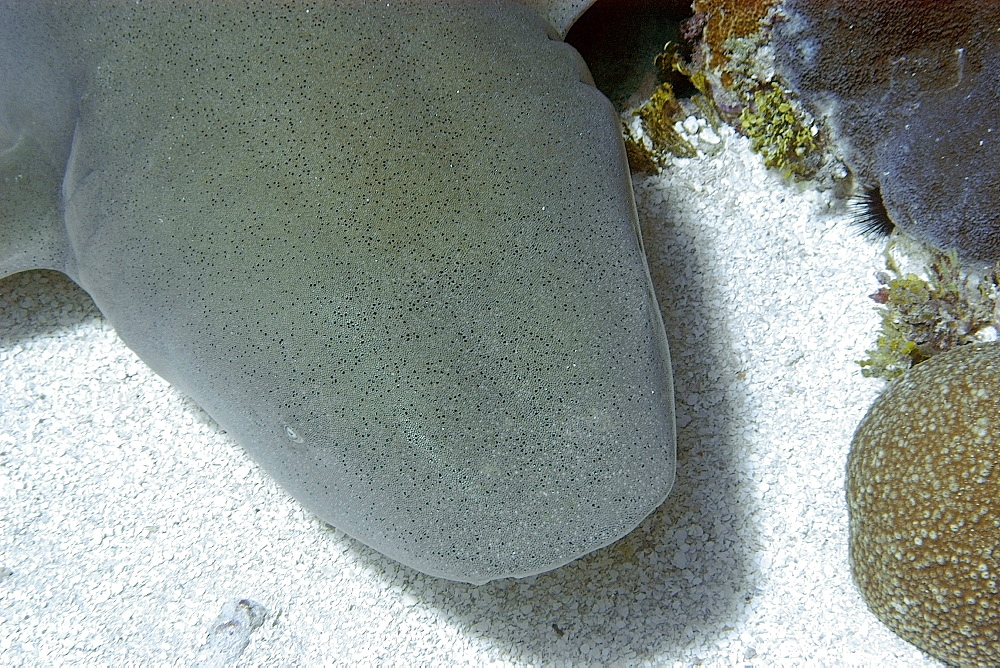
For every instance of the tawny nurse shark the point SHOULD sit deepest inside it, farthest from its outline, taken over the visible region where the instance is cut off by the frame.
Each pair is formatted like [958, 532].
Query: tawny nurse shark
[391, 247]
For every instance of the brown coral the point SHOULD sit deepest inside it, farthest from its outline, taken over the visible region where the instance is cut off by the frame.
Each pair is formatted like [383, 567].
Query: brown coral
[729, 19]
[923, 490]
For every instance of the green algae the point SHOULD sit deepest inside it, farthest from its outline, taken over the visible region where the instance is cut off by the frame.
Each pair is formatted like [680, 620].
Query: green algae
[924, 316]
[780, 132]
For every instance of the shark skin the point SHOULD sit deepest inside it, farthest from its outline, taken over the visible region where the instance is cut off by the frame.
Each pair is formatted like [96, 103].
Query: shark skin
[391, 248]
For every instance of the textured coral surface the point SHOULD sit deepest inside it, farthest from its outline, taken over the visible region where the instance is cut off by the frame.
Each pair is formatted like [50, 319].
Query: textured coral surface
[729, 19]
[923, 491]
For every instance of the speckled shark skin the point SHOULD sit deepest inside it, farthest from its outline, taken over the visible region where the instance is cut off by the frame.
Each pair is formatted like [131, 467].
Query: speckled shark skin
[391, 248]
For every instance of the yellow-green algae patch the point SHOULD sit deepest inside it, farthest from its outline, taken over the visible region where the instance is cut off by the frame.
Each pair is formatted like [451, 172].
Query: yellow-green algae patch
[923, 492]
[659, 114]
[732, 67]
[926, 315]
[779, 134]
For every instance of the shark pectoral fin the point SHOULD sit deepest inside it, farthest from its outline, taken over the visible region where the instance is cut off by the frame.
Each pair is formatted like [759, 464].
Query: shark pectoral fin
[39, 105]
[32, 235]
[560, 14]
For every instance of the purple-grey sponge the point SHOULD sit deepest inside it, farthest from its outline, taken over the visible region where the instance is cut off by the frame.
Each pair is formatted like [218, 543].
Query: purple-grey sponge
[911, 91]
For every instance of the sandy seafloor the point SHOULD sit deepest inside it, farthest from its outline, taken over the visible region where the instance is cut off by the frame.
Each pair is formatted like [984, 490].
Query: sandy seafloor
[128, 519]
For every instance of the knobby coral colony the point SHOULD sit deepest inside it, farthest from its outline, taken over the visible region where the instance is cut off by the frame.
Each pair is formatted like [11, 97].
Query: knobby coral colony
[923, 491]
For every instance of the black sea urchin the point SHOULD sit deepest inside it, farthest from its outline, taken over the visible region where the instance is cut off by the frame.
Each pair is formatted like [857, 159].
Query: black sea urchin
[870, 215]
